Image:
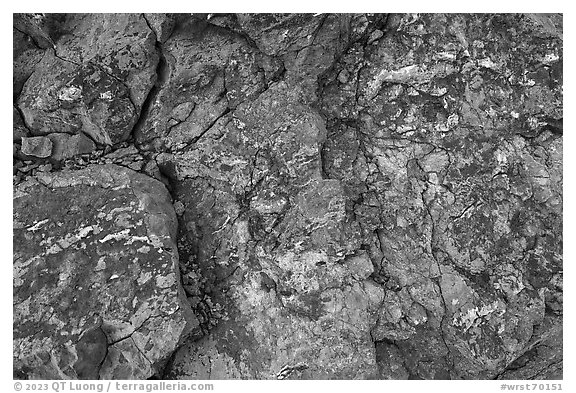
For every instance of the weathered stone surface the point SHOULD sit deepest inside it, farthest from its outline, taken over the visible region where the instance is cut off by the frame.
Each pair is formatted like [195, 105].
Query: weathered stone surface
[212, 67]
[543, 357]
[96, 282]
[25, 57]
[38, 27]
[19, 130]
[308, 44]
[161, 24]
[73, 99]
[456, 160]
[208, 70]
[95, 80]
[122, 44]
[294, 301]
[357, 196]
[37, 146]
[68, 146]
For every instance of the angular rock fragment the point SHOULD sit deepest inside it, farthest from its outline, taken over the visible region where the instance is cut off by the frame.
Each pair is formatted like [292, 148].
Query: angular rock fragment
[67, 146]
[75, 99]
[37, 26]
[308, 44]
[96, 278]
[37, 146]
[122, 44]
[542, 359]
[161, 24]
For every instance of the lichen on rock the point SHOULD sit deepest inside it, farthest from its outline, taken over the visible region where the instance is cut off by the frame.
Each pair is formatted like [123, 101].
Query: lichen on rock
[288, 196]
[96, 275]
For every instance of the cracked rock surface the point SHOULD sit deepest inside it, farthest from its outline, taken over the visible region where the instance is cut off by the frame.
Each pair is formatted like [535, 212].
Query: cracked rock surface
[97, 289]
[288, 196]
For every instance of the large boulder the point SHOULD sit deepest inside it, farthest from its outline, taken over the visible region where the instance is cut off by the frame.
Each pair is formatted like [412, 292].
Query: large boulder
[97, 290]
[302, 310]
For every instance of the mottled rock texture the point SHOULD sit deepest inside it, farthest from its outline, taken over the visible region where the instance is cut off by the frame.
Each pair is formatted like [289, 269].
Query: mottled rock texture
[457, 174]
[97, 289]
[351, 196]
[94, 80]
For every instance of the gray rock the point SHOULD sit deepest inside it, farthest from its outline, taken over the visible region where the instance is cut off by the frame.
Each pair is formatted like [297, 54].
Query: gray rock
[210, 71]
[374, 36]
[97, 292]
[161, 24]
[96, 79]
[67, 146]
[543, 356]
[75, 99]
[307, 43]
[19, 129]
[357, 196]
[36, 26]
[450, 226]
[122, 153]
[122, 44]
[25, 57]
[37, 146]
[299, 303]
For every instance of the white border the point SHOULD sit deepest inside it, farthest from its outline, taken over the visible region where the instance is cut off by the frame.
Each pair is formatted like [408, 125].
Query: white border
[315, 7]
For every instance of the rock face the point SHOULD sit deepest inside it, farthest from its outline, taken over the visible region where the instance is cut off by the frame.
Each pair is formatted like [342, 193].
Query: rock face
[351, 196]
[68, 146]
[207, 69]
[457, 167]
[96, 281]
[26, 55]
[293, 297]
[95, 80]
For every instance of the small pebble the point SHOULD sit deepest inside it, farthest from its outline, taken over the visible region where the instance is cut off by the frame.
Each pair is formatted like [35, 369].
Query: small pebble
[179, 208]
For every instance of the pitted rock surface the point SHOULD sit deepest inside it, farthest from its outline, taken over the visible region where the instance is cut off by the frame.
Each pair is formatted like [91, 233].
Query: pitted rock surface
[96, 281]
